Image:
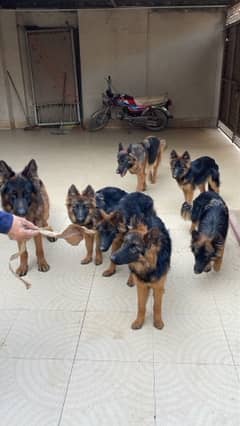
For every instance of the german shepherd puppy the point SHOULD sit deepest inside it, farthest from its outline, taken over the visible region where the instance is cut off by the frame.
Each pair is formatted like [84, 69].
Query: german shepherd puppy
[191, 174]
[82, 209]
[113, 226]
[141, 159]
[210, 220]
[147, 250]
[24, 194]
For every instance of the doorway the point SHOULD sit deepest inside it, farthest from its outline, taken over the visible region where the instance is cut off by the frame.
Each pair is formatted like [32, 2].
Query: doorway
[53, 74]
[229, 113]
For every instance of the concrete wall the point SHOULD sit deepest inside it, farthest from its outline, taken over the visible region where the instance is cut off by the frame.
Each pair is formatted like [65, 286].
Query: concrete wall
[149, 52]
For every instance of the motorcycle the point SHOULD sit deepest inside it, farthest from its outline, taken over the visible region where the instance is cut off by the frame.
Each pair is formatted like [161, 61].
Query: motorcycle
[152, 114]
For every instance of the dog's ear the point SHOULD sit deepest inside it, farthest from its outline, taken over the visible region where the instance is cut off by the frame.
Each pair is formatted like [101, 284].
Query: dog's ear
[5, 172]
[120, 147]
[30, 171]
[195, 235]
[73, 191]
[97, 215]
[173, 155]
[132, 156]
[136, 220]
[186, 156]
[129, 150]
[102, 214]
[116, 217]
[89, 192]
[152, 237]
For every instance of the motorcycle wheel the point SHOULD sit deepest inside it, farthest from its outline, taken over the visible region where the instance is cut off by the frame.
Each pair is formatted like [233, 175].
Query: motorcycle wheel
[155, 119]
[99, 120]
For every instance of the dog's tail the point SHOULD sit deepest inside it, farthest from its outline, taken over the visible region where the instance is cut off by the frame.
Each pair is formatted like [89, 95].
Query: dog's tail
[215, 177]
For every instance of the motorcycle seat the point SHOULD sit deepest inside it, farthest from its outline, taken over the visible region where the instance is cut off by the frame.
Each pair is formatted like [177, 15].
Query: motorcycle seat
[150, 100]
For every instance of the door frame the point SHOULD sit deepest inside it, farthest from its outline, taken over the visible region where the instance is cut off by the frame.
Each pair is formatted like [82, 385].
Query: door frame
[232, 130]
[77, 79]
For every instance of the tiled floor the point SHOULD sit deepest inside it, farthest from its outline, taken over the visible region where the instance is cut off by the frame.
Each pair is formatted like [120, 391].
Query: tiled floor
[67, 353]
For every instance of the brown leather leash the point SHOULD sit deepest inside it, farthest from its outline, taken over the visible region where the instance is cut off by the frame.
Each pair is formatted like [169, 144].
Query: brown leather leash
[73, 234]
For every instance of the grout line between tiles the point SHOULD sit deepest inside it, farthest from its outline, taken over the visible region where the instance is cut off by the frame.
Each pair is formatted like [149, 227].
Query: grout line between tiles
[79, 360]
[226, 337]
[9, 331]
[76, 349]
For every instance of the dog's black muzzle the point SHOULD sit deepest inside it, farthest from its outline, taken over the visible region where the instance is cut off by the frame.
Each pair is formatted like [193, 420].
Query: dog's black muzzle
[118, 259]
[198, 269]
[122, 170]
[20, 207]
[80, 214]
[123, 256]
[105, 244]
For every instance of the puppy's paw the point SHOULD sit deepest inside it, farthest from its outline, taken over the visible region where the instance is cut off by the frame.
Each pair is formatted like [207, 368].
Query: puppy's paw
[86, 260]
[52, 239]
[158, 324]
[137, 324]
[108, 273]
[22, 270]
[186, 211]
[43, 266]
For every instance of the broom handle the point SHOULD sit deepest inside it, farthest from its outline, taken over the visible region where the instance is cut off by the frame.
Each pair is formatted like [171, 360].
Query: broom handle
[64, 96]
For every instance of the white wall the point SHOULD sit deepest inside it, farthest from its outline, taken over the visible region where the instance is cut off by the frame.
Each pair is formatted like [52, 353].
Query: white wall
[148, 52]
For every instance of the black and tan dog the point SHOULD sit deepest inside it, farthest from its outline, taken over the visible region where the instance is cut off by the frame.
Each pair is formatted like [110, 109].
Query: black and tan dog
[210, 220]
[112, 227]
[147, 251]
[83, 210]
[191, 174]
[24, 194]
[141, 159]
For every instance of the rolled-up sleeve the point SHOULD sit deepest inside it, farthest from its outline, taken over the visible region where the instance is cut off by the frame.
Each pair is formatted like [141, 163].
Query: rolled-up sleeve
[6, 220]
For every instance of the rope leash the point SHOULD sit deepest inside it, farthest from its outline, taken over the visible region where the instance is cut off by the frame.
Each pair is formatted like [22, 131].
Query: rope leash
[73, 234]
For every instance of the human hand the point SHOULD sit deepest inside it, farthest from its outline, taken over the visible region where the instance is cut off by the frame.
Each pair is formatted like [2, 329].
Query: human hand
[22, 229]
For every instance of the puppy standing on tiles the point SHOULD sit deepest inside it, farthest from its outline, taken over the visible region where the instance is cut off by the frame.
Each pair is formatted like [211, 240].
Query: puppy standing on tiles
[141, 159]
[191, 174]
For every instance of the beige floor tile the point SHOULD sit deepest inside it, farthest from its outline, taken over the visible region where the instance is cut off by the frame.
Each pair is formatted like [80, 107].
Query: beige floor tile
[32, 391]
[197, 338]
[43, 334]
[110, 393]
[109, 337]
[7, 320]
[199, 395]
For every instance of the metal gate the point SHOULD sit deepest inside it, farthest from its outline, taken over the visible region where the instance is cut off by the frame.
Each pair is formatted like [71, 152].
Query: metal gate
[53, 76]
[229, 113]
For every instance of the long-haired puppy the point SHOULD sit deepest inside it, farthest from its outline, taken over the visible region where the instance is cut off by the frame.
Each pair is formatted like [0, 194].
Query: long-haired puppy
[193, 174]
[112, 227]
[210, 221]
[147, 250]
[82, 208]
[24, 194]
[141, 159]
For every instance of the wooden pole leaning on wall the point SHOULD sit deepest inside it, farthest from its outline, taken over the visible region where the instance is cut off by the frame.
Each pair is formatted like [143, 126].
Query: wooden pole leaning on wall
[29, 126]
